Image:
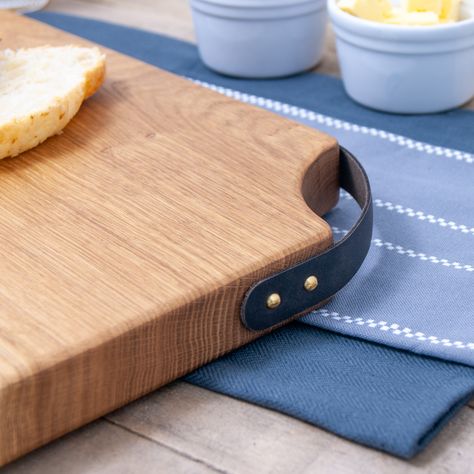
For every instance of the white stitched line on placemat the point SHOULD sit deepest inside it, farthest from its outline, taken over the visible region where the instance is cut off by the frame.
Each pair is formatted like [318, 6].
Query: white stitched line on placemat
[294, 111]
[417, 214]
[336, 230]
[411, 253]
[395, 329]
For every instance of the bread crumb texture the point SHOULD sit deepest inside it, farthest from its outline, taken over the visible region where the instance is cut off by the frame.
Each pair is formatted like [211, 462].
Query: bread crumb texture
[41, 89]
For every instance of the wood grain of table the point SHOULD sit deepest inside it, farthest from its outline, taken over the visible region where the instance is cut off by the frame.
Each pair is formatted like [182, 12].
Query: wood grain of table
[185, 429]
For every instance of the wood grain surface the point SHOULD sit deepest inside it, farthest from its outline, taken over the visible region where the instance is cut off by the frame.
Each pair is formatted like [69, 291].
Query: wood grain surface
[129, 241]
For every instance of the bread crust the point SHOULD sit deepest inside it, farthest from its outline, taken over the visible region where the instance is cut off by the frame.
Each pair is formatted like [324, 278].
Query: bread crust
[26, 132]
[94, 79]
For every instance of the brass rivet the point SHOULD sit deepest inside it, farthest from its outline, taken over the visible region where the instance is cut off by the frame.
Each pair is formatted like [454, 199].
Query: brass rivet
[310, 283]
[273, 301]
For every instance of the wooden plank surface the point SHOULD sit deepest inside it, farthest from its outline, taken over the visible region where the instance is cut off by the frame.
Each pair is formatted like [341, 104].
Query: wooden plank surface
[189, 430]
[217, 433]
[104, 448]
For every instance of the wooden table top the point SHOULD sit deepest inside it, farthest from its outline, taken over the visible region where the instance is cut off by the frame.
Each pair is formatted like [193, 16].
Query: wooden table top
[183, 428]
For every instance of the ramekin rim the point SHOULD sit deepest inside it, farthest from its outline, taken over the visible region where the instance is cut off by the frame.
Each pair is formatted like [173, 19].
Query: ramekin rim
[271, 3]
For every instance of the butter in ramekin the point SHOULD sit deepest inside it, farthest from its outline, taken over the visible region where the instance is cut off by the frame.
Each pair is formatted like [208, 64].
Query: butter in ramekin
[411, 12]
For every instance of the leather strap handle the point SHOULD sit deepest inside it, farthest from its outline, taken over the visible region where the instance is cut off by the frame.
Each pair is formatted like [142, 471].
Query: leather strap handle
[333, 268]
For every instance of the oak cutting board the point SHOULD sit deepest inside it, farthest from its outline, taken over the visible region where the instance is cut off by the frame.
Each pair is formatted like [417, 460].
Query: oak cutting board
[128, 242]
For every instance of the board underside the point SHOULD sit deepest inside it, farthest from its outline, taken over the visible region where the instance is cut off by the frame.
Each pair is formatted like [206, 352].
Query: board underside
[129, 241]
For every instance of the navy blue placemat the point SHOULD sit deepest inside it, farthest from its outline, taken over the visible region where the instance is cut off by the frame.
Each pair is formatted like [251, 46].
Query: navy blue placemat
[415, 290]
[381, 397]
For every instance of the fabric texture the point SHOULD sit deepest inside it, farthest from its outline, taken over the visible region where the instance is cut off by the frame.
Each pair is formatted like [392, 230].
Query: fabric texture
[414, 292]
[382, 397]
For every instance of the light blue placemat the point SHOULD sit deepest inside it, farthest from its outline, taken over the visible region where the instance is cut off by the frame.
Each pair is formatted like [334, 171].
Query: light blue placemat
[415, 290]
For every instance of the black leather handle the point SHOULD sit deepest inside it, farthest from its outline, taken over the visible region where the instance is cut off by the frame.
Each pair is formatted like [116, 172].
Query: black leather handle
[284, 295]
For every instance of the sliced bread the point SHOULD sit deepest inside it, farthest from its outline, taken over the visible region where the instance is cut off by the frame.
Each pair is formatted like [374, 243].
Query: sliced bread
[41, 89]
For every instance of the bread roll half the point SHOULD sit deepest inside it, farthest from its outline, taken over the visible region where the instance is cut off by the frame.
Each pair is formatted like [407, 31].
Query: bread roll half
[41, 89]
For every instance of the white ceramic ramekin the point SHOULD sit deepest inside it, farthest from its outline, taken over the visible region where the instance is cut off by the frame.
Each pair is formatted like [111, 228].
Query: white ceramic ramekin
[260, 38]
[405, 69]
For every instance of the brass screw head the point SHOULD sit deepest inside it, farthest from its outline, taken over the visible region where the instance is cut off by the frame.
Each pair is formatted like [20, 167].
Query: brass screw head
[273, 301]
[310, 283]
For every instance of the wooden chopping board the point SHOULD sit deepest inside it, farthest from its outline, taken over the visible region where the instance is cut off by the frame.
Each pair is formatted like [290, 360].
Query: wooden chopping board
[128, 242]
